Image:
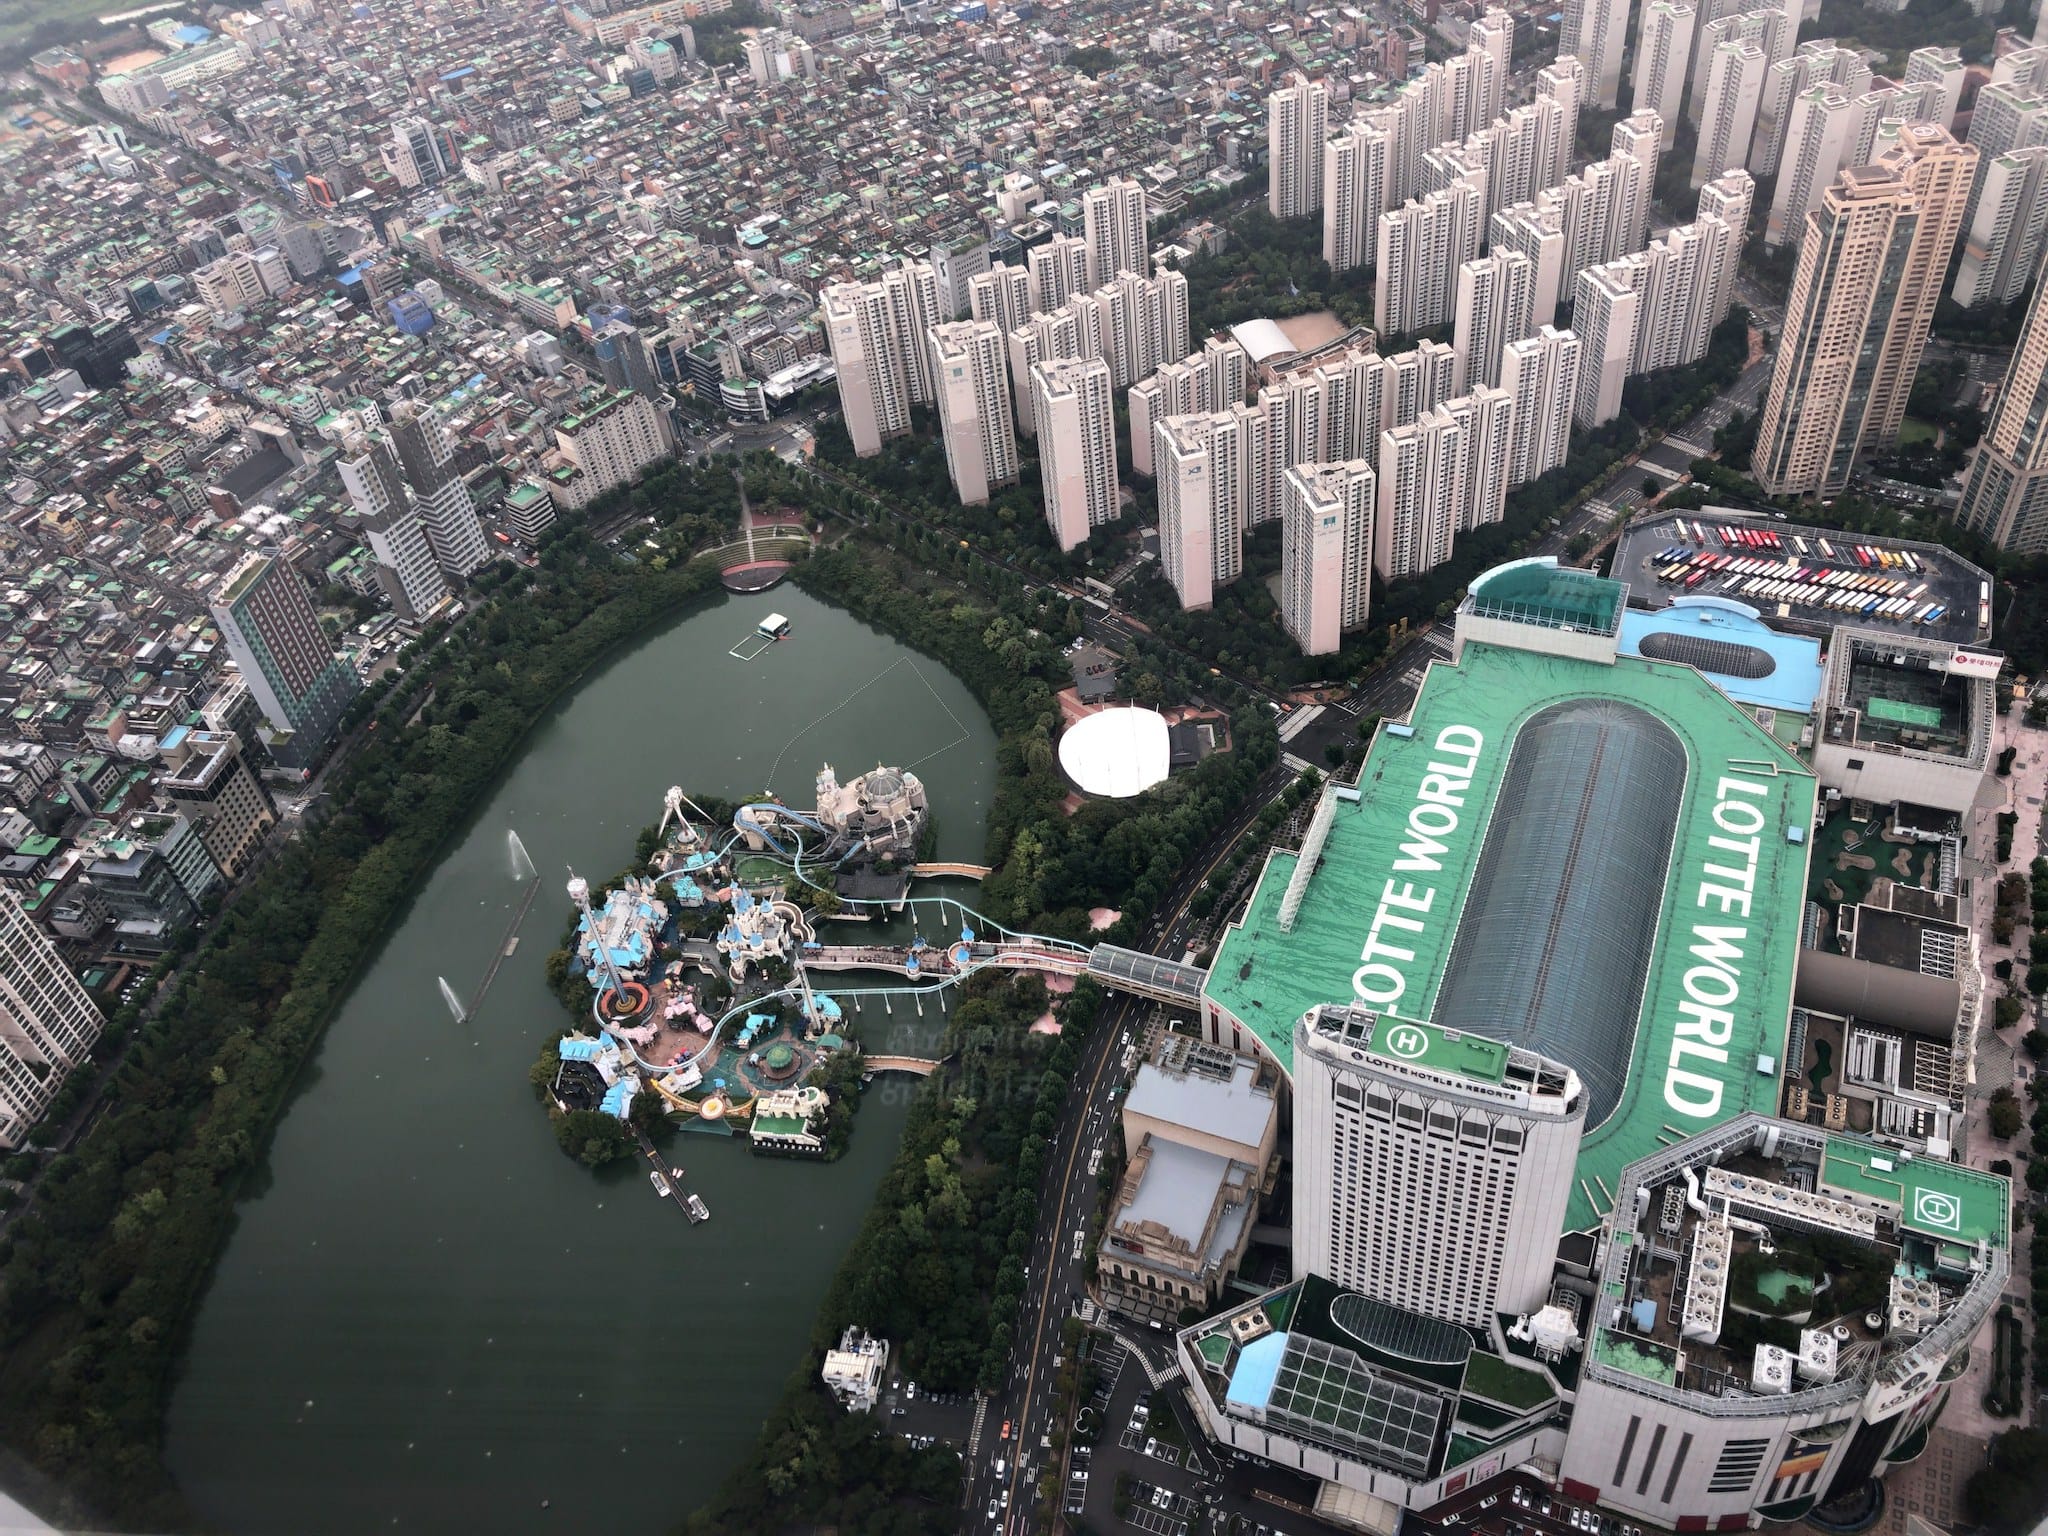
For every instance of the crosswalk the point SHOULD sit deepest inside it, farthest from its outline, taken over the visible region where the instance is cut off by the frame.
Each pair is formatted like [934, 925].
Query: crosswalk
[974, 1434]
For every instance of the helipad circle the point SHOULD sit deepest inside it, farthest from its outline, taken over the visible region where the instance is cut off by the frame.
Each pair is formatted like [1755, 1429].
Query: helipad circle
[1407, 1042]
[1116, 753]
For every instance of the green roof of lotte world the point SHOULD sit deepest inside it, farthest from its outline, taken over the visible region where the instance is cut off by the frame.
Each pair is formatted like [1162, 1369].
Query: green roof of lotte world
[1666, 864]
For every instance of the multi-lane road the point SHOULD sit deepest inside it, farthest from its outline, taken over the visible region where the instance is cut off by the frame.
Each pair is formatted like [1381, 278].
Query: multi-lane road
[1057, 1278]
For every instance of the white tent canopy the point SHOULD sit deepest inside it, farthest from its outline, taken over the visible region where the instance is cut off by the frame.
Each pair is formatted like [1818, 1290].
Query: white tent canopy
[1116, 752]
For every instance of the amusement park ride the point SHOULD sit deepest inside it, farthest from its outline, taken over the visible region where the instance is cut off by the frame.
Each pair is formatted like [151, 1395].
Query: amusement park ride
[651, 1031]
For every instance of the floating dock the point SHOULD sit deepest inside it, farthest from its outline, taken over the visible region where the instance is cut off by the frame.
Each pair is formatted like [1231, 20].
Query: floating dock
[668, 1183]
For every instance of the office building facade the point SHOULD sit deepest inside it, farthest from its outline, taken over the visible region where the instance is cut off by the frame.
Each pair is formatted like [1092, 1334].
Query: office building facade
[267, 619]
[208, 777]
[407, 572]
[48, 1022]
[426, 455]
[611, 442]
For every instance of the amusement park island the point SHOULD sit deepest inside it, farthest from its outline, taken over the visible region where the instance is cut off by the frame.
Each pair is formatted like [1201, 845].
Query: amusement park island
[696, 978]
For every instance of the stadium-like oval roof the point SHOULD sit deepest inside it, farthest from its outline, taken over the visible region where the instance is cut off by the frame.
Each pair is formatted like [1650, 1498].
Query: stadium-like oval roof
[1554, 946]
[1116, 752]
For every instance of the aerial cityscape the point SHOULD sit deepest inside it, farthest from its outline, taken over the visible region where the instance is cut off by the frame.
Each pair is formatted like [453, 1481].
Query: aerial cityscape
[1017, 767]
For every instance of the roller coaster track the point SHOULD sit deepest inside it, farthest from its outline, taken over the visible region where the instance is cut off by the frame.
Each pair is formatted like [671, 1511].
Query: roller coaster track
[982, 946]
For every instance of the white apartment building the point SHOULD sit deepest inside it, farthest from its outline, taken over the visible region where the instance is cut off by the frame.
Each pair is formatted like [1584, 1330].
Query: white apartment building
[1361, 168]
[1512, 149]
[1421, 246]
[1762, 22]
[869, 359]
[1639, 137]
[1056, 271]
[974, 407]
[1819, 136]
[2008, 232]
[1335, 410]
[1494, 298]
[1001, 294]
[1487, 418]
[1213, 379]
[1113, 229]
[1210, 469]
[1491, 39]
[48, 1022]
[1906, 103]
[1592, 32]
[393, 528]
[1415, 381]
[1942, 67]
[1326, 552]
[612, 442]
[1605, 309]
[1537, 232]
[1669, 274]
[1072, 400]
[1422, 486]
[1732, 93]
[1562, 81]
[1153, 326]
[1731, 198]
[1177, 389]
[1045, 336]
[1817, 62]
[1540, 375]
[1663, 58]
[2005, 493]
[1297, 123]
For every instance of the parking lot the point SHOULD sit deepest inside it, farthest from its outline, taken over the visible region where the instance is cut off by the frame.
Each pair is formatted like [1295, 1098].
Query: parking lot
[1161, 1511]
[1519, 1506]
[924, 1418]
[1944, 579]
[1205, 1491]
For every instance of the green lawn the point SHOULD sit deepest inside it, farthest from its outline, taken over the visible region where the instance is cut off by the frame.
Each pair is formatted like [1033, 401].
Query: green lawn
[1913, 431]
